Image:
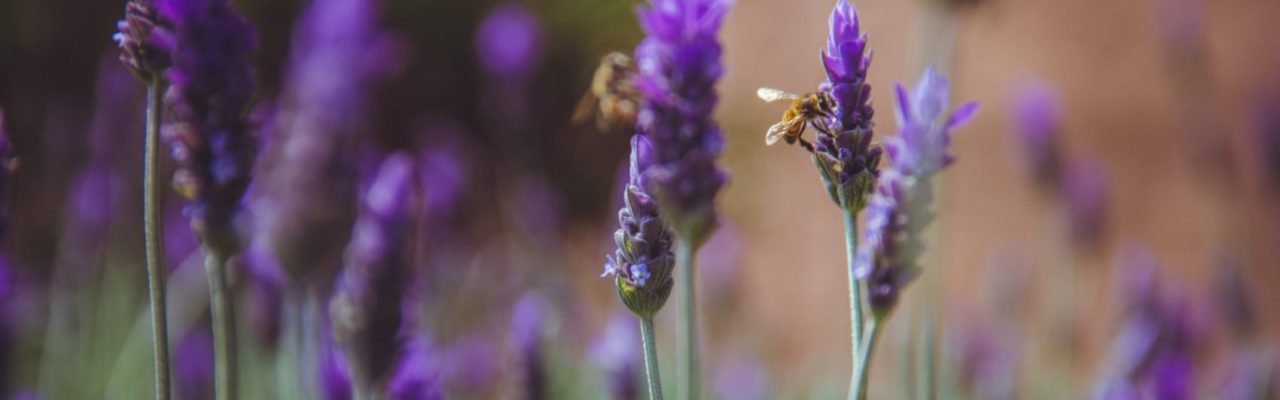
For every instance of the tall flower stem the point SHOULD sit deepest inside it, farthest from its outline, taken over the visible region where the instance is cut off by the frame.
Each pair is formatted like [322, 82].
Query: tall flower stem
[864, 360]
[688, 378]
[224, 343]
[652, 377]
[152, 237]
[855, 295]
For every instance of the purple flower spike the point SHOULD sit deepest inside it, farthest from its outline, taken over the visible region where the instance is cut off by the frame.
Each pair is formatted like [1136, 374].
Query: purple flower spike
[211, 88]
[1037, 122]
[366, 307]
[899, 210]
[509, 40]
[415, 379]
[145, 40]
[843, 152]
[642, 264]
[1085, 189]
[1164, 328]
[306, 208]
[924, 133]
[678, 65]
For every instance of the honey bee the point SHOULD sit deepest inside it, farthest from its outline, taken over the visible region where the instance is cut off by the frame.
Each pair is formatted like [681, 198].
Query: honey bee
[817, 108]
[612, 98]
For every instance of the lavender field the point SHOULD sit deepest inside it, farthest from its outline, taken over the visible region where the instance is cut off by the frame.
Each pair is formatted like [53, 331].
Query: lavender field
[639, 199]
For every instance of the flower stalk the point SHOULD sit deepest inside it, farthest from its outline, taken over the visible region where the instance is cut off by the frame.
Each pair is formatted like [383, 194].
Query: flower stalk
[154, 241]
[652, 376]
[855, 295]
[689, 377]
[224, 331]
[146, 41]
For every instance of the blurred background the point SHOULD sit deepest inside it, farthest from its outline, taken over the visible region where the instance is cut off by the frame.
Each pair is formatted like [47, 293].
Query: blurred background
[1127, 154]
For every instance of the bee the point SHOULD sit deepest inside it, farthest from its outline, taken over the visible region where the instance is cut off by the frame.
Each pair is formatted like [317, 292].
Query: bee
[612, 98]
[817, 108]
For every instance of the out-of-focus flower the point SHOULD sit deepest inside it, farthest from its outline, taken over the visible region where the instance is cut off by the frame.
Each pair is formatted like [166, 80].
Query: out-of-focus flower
[616, 353]
[1252, 374]
[334, 374]
[741, 378]
[470, 366]
[264, 293]
[924, 126]
[417, 377]
[678, 65]
[145, 39]
[1180, 25]
[1267, 137]
[846, 160]
[642, 264]
[1037, 128]
[1085, 189]
[366, 307]
[509, 40]
[306, 182]
[210, 90]
[1152, 354]
[527, 319]
[193, 365]
[1234, 299]
[985, 352]
[899, 210]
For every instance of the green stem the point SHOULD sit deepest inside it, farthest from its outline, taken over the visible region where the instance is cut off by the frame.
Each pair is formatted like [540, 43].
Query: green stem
[650, 359]
[224, 344]
[153, 241]
[689, 379]
[855, 295]
[864, 361]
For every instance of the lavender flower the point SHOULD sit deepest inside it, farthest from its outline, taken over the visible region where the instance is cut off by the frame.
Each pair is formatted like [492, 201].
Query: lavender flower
[1152, 354]
[306, 207]
[415, 379]
[1037, 122]
[366, 308]
[842, 152]
[211, 87]
[899, 210]
[145, 40]
[642, 264]
[508, 40]
[678, 64]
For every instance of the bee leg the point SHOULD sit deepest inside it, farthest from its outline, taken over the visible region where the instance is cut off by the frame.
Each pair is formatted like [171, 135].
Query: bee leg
[805, 143]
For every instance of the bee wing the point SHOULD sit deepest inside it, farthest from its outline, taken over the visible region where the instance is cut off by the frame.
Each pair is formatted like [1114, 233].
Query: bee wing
[780, 130]
[771, 95]
[587, 107]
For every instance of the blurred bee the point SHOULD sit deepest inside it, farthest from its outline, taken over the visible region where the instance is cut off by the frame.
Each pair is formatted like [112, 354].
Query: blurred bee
[817, 108]
[612, 99]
